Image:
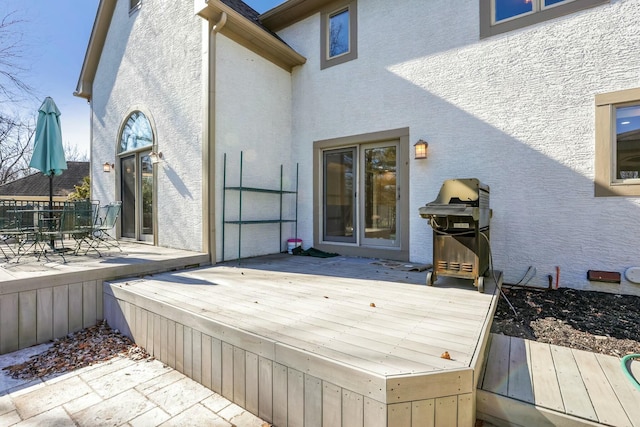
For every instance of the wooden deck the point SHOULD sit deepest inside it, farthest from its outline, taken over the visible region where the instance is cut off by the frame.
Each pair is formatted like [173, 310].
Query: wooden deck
[527, 383]
[47, 299]
[316, 342]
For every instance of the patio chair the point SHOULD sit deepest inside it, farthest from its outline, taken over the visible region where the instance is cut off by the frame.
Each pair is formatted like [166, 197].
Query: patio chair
[50, 226]
[9, 226]
[80, 221]
[20, 226]
[106, 219]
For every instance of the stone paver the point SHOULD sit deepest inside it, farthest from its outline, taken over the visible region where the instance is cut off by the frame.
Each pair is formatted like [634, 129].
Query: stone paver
[180, 395]
[119, 392]
[45, 398]
[116, 410]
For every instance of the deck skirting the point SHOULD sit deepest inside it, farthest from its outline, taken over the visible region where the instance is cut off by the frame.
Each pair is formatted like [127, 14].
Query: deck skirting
[284, 385]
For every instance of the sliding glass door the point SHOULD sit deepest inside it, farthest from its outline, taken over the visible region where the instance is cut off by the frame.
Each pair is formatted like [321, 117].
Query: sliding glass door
[360, 195]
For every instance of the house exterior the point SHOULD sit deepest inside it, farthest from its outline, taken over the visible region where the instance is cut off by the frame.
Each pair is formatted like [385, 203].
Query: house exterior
[540, 100]
[35, 187]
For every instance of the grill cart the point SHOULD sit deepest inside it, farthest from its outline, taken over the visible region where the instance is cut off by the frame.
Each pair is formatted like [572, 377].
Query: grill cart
[458, 217]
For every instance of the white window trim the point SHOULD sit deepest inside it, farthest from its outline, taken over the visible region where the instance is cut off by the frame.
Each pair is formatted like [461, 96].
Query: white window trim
[606, 183]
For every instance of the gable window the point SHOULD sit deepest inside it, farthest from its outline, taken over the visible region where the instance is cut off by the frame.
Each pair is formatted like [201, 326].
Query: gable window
[339, 34]
[500, 16]
[617, 148]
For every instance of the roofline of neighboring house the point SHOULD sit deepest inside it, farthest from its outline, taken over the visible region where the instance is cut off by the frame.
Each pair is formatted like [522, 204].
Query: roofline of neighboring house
[94, 48]
[237, 28]
[248, 34]
[291, 12]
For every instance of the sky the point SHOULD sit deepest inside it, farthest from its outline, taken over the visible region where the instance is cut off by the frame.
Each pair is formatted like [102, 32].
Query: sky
[53, 36]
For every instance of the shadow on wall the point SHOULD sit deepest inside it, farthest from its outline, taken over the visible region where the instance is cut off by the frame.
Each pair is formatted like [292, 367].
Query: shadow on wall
[539, 164]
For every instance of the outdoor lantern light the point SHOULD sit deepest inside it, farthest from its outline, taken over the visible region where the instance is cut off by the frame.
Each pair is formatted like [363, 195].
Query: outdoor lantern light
[421, 149]
[155, 157]
[107, 167]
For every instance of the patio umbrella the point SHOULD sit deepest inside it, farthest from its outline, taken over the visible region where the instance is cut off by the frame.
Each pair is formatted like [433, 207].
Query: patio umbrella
[48, 154]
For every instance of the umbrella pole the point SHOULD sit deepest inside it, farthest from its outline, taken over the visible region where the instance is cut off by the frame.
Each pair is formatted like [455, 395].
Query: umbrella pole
[52, 242]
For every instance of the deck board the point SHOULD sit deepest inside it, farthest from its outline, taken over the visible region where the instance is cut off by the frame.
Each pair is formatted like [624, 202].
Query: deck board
[591, 388]
[627, 394]
[520, 383]
[495, 378]
[545, 385]
[574, 395]
[605, 402]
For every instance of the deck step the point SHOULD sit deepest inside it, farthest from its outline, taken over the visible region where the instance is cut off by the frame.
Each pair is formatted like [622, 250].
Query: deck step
[528, 383]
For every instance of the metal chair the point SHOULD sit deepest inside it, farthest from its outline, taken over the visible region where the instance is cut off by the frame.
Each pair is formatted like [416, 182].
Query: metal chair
[80, 223]
[106, 219]
[9, 226]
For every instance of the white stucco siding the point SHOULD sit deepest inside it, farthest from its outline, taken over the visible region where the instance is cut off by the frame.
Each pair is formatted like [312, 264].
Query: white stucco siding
[252, 115]
[515, 111]
[152, 61]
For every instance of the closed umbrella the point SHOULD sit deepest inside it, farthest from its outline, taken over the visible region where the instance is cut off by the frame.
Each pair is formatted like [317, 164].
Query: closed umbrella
[48, 153]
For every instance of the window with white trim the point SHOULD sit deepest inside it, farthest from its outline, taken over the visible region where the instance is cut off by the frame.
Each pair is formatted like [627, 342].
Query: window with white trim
[617, 148]
[500, 16]
[338, 34]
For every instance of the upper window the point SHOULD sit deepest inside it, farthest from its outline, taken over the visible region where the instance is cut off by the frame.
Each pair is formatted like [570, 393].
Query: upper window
[136, 132]
[339, 34]
[134, 5]
[499, 16]
[618, 143]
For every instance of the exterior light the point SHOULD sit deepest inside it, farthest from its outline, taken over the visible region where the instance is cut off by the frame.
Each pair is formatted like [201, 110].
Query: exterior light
[155, 157]
[421, 149]
[107, 167]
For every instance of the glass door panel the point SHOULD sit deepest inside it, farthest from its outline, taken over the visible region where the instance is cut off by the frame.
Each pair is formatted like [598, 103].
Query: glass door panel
[146, 196]
[339, 213]
[137, 196]
[379, 201]
[128, 189]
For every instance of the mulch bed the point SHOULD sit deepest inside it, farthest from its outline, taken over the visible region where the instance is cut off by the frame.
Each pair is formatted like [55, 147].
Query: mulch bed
[593, 321]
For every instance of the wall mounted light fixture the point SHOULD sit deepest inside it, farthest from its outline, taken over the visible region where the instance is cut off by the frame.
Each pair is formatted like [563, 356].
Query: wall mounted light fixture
[421, 148]
[107, 167]
[156, 157]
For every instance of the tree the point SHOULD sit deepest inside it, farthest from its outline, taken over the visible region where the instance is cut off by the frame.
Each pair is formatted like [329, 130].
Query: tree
[81, 192]
[16, 132]
[15, 147]
[12, 85]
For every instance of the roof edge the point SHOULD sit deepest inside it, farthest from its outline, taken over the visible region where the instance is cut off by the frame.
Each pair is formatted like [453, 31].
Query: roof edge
[247, 33]
[291, 12]
[99, 31]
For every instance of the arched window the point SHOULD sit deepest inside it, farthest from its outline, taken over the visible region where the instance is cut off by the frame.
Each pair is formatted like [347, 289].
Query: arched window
[136, 133]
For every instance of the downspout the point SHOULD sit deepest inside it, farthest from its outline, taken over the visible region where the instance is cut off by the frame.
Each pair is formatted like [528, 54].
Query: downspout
[209, 188]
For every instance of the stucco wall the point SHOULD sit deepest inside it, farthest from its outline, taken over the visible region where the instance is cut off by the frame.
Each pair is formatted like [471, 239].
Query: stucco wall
[514, 110]
[252, 115]
[152, 61]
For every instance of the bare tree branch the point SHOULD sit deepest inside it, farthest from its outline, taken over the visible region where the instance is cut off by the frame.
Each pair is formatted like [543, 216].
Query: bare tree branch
[11, 59]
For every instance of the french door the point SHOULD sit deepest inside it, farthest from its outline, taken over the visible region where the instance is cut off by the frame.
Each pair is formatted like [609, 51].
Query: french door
[360, 195]
[137, 196]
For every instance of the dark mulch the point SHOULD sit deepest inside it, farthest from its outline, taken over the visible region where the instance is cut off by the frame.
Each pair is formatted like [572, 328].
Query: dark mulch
[593, 321]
